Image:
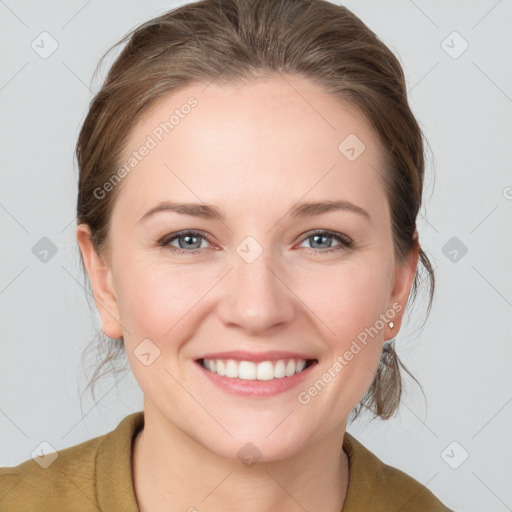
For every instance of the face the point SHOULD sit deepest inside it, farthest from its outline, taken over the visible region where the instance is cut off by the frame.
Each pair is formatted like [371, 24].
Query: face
[251, 274]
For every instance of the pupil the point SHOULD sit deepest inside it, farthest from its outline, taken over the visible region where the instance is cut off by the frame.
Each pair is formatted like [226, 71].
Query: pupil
[316, 237]
[189, 240]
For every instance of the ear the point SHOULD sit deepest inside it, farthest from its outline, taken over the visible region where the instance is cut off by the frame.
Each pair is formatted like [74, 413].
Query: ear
[405, 272]
[102, 283]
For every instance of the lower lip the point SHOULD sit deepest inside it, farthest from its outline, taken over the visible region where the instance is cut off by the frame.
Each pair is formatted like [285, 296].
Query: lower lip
[256, 388]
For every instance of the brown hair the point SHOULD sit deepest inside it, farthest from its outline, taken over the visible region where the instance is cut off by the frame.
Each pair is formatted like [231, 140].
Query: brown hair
[235, 40]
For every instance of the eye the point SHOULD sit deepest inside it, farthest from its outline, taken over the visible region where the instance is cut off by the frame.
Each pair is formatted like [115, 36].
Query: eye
[320, 239]
[190, 241]
[186, 240]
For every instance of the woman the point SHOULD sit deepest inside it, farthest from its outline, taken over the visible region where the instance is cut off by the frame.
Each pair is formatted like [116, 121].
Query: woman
[250, 178]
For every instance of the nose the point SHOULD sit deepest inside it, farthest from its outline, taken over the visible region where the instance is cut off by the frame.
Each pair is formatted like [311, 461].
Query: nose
[256, 297]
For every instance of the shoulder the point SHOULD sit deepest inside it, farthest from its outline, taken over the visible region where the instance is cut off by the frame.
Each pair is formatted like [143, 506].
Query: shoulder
[66, 479]
[376, 486]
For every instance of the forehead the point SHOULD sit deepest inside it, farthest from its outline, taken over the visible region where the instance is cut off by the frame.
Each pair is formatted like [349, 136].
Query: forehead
[256, 141]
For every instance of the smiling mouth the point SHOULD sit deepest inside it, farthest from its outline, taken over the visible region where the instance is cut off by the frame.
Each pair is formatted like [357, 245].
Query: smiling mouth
[249, 370]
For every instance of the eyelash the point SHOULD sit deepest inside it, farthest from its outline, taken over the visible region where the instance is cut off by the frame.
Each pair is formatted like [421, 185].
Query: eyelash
[345, 241]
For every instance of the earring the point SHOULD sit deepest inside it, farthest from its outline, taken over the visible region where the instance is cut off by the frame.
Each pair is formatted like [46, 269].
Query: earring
[391, 325]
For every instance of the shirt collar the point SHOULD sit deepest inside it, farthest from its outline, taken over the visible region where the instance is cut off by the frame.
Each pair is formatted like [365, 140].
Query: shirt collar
[115, 486]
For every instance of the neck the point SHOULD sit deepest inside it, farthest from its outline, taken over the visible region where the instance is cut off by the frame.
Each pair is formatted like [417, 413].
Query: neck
[171, 471]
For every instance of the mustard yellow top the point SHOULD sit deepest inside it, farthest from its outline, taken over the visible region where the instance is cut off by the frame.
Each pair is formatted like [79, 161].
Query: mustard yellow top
[96, 476]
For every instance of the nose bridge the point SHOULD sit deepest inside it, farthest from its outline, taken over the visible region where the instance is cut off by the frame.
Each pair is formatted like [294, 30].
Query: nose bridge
[257, 298]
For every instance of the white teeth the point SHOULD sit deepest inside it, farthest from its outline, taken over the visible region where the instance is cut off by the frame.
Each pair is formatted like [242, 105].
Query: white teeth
[265, 371]
[220, 368]
[247, 370]
[290, 368]
[279, 370]
[231, 369]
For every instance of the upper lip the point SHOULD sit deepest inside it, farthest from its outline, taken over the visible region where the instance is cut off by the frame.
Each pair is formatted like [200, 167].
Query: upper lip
[245, 355]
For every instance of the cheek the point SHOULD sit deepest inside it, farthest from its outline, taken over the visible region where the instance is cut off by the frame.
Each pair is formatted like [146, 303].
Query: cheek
[350, 308]
[160, 303]
[156, 298]
[347, 298]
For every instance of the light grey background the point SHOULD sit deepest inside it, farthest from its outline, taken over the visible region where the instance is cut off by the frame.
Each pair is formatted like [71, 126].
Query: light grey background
[463, 355]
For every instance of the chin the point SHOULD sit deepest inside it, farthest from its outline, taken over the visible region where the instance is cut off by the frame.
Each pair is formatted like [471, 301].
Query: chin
[258, 443]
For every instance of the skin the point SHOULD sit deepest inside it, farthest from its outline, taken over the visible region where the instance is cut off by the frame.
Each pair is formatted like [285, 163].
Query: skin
[253, 150]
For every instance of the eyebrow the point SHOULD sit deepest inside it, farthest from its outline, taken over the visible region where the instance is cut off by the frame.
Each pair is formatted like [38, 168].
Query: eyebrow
[301, 210]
